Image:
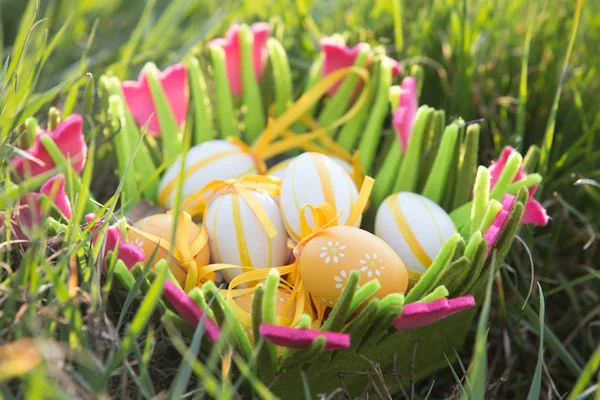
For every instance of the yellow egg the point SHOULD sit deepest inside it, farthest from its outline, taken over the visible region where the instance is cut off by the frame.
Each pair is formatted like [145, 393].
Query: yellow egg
[237, 236]
[327, 259]
[415, 227]
[211, 160]
[313, 178]
[161, 226]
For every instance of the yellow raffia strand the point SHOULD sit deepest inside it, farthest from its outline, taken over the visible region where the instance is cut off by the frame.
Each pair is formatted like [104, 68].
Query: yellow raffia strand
[183, 251]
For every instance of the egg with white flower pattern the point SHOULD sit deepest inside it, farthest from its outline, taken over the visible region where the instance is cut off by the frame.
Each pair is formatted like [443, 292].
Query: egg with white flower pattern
[327, 259]
[415, 227]
[313, 178]
[211, 160]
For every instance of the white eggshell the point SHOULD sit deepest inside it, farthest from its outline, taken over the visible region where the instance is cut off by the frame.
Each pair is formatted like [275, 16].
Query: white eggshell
[344, 164]
[211, 160]
[280, 169]
[313, 178]
[236, 236]
[415, 227]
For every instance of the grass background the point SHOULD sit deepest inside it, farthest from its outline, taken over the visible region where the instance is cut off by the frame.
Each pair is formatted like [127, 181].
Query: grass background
[501, 61]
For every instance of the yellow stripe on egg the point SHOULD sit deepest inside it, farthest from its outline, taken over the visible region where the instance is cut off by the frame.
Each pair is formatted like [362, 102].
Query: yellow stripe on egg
[324, 178]
[245, 260]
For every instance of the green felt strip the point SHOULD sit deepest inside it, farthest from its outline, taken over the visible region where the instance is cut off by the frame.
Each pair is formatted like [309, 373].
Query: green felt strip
[257, 301]
[528, 181]
[511, 225]
[282, 76]
[169, 131]
[254, 116]
[462, 272]
[264, 363]
[371, 135]
[384, 180]
[436, 182]
[123, 149]
[121, 272]
[425, 284]
[363, 294]
[31, 131]
[210, 292]
[481, 193]
[168, 274]
[440, 292]
[475, 270]
[507, 176]
[431, 146]
[531, 159]
[406, 180]
[226, 118]
[453, 272]
[201, 106]
[494, 207]
[352, 130]
[144, 165]
[459, 250]
[358, 327]
[473, 244]
[237, 330]
[182, 325]
[468, 166]
[300, 357]
[198, 297]
[53, 118]
[448, 196]
[390, 308]
[340, 312]
[269, 314]
[337, 105]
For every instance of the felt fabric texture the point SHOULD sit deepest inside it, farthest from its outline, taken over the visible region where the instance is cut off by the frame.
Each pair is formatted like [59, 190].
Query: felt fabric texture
[231, 45]
[303, 338]
[404, 115]
[189, 310]
[174, 82]
[68, 136]
[416, 315]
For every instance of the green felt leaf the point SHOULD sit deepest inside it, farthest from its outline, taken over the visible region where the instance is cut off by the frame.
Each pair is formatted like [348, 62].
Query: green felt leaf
[169, 131]
[431, 144]
[300, 357]
[468, 166]
[459, 250]
[282, 74]
[528, 181]
[436, 182]
[357, 328]
[363, 294]
[254, 116]
[337, 105]
[257, 300]
[472, 245]
[390, 308]
[53, 118]
[454, 274]
[481, 193]
[507, 176]
[201, 105]
[371, 135]
[427, 281]
[531, 159]
[210, 292]
[494, 207]
[185, 328]
[439, 292]
[226, 118]
[269, 316]
[121, 272]
[198, 297]
[475, 270]
[238, 332]
[409, 170]
[340, 312]
[448, 196]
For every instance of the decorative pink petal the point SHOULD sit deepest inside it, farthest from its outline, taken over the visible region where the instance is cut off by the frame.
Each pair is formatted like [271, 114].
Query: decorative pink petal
[57, 194]
[189, 310]
[68, 137]
[337, 56]
[498, 166]
[303, 338]
[231, 46]
[174, 81]
[404, 116]
[396, 67]
[416, 315]
[535, 214]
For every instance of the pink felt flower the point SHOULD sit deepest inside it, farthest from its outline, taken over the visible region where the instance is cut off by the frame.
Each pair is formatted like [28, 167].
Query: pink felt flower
[129, 253]
[338, 56]
[68, 137]
[404, 116]
[416, 315]
[29, 211]
[302, 338]
[233, 57]
[189, 310]
[174, 82]
[534, 211]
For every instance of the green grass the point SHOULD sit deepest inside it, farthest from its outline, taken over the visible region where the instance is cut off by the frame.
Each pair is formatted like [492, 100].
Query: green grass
[520, 66]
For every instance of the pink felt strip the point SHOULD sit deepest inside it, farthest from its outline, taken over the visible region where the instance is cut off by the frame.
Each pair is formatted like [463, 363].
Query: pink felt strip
[416, 315]
[302, 338]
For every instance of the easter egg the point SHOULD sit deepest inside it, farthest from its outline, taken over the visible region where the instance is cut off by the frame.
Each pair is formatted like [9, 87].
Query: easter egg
[279, 170]
[313, 178]
[211, 160]
[415, 227]
[161, 226]
[327, 259]
[236, 235]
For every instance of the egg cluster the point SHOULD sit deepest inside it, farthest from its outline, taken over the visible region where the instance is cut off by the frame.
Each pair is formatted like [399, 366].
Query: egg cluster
[256, 219]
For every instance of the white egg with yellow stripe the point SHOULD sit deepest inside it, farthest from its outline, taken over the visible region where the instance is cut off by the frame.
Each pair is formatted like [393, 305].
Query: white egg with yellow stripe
[313, 178]
[415, 227]
[280, 169]
[211, 160]
[237, 235]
